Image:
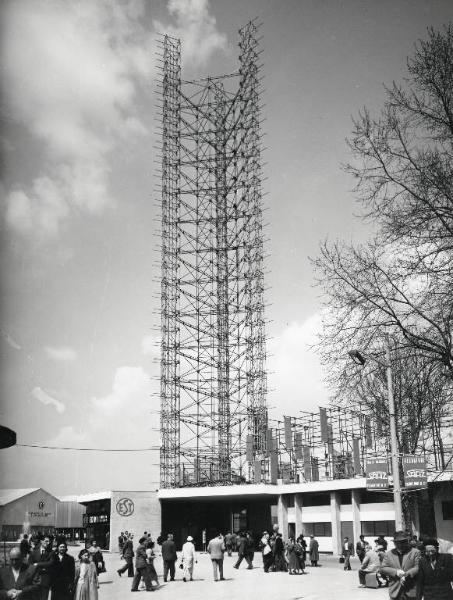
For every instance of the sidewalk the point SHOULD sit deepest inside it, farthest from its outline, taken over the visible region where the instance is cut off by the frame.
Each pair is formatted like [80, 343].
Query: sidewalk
[327, 582]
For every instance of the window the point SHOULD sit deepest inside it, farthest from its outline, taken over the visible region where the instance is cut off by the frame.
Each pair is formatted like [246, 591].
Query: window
[317, 529]
[289, 500]
[370, 528]
[447, 510]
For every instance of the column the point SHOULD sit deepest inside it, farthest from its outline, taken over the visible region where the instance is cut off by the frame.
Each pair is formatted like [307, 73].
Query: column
[282, 514]
[298, 504]
[356, 524]
[336, 522]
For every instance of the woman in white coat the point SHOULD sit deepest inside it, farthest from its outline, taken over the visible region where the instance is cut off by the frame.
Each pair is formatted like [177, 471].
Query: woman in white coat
[188, 559]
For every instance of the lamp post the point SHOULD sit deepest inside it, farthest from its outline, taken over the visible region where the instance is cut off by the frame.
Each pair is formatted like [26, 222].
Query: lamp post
[358, 358]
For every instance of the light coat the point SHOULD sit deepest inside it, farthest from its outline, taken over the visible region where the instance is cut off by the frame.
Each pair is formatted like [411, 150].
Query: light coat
[391, 564]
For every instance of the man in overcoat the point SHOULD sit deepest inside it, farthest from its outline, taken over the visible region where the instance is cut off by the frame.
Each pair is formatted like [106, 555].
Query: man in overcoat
[435, 573]
[400, 565]
[141, 567]
[63, 574]
[169, 557]
[17, 580]
[43, 559]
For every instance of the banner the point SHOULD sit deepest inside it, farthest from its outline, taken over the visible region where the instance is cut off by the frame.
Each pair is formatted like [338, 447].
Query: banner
[288, 433]
[414, 470]
[377, 477]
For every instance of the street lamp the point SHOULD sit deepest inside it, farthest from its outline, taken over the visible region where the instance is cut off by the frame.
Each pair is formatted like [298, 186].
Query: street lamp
[359, 359]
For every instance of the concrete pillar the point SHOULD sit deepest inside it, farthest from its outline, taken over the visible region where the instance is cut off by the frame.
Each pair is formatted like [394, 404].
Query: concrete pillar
[336, 521]
[298, 504]
[282, 515]
[356, 525]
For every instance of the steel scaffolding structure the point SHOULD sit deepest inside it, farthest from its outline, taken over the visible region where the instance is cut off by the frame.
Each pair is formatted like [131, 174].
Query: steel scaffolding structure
[213, 377]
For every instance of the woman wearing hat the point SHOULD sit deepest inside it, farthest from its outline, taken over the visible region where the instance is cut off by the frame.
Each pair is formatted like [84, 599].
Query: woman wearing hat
[435, 573]
[188, 559]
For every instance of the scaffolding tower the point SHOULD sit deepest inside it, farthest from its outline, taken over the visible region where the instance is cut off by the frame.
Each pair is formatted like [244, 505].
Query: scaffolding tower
[213, 377]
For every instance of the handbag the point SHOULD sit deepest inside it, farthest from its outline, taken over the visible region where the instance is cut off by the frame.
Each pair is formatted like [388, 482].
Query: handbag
[341, 559]
[181, 566]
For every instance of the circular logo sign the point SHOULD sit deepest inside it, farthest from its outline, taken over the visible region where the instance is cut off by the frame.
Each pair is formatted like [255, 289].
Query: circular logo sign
[125, 507]
[41, 504]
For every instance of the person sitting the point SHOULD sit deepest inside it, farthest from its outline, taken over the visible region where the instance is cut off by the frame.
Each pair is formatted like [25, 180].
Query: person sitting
[371, 564]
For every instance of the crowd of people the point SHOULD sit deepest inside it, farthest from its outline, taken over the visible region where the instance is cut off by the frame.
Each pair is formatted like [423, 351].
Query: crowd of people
[41, 567]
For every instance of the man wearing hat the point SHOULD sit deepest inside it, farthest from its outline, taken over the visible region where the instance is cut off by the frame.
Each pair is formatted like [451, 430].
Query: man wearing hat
[400, 565]
[188, 559]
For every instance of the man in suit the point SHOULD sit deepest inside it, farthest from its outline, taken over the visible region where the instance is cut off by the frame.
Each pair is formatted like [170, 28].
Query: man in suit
[347, 551]
[361, 548]
[216, 548]
[43, 559]
[17, 580]
[400, 565]
[169, 557]
[141, 567]
[128, 555]
[435, 574]
[63, 574]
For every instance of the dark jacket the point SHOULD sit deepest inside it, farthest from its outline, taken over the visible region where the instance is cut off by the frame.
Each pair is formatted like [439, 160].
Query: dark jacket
[63, 577]
[25, 582]
[169, 550]
[140, 557]
[44, 564]
[349, 551]
[128, 549]
[435, 584]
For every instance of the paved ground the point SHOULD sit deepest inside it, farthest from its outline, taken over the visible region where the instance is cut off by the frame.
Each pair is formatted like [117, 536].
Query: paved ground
[327, 582]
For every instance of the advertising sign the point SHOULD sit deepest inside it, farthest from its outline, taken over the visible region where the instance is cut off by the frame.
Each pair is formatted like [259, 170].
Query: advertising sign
[377, 476]
[414, 469]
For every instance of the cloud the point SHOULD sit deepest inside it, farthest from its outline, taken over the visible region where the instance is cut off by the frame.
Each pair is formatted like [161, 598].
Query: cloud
[296, 376]
[197, 30]
[151, 346]
[73, 86]
[63, 354]
[47, 399]
[122, 418]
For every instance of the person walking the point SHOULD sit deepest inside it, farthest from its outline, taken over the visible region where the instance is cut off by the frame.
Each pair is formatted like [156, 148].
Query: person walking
[141, 569]
[245, 550]
[435, 573]
[266, 551]
[150, 556]
[86, 578]
[347, 551]
[313, 551]
[24, 547]
[216, 549]
[361, 548]
[280, 563]
[229, 543]
[400, 565]
[188, 559]
[18, 577]
[63, 574]
[43, 559]
[169, 557]
[128, 556]
[292, 557]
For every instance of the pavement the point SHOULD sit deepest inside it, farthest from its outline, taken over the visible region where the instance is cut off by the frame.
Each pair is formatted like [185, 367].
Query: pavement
[326, 582]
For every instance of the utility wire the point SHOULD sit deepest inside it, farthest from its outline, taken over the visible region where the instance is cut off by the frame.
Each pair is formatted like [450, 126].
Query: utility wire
[153, 448]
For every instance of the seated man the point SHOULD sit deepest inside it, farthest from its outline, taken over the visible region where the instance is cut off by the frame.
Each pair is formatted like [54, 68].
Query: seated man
[16, 580]
[371, 564]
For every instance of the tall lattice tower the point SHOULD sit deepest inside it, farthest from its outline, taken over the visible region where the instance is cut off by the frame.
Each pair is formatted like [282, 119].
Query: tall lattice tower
[213, 377]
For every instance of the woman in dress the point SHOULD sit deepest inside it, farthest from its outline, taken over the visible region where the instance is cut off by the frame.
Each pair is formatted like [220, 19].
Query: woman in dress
[86, 578]
[96, 555]
[292, 557]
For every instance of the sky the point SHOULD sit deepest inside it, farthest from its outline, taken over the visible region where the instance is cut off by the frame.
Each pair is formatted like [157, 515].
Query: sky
[79, 251]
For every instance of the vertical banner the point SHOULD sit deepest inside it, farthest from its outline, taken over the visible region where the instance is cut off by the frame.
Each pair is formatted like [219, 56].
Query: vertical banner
[269, 445]
[288, 433]
[377, 477]
[274, 466]
[323, 422]
[298, 446]
[330, 439]
[368, 436]
[249, 448]
[307, 463]
[314, 469]
[414, 469]
[356, 455]
[257, 471]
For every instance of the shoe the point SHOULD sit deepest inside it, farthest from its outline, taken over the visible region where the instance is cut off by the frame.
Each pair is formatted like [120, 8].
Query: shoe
[119, 572]
[191, 579]
[249, 567]
[134, 590]
[184, 579]
[222, 579]
[172, 579]
[235, 567]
